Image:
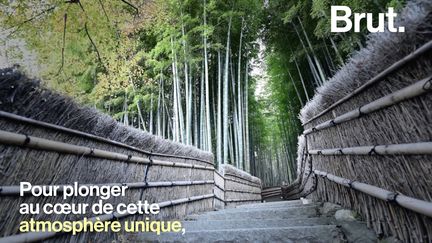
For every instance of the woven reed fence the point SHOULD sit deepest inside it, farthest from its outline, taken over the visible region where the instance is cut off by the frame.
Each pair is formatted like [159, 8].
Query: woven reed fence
[367, 143]
[47, 139]
[271, 192]
[219, 190]
[240, 187]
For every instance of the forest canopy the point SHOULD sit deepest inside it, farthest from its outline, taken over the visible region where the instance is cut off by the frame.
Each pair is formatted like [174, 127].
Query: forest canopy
[227, 76]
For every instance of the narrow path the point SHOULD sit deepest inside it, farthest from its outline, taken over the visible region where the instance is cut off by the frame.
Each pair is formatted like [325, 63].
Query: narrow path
[285, 221]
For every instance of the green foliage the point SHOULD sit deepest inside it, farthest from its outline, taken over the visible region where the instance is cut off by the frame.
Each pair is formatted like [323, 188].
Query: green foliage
[396, 4]
[292, 13]
[299, 31]
[107, 56]
[87, 79]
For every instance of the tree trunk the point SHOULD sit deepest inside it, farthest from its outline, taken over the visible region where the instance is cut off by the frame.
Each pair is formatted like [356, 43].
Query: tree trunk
[207, 92]
[317, 62]
[239, 102]
[225, 95]
[301, 79]
[219, 114]
[187, 80]
[295, 87]
[246, 98]
[176, 129]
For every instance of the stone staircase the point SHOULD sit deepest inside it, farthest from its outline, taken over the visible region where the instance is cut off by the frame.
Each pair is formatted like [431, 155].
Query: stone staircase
[285, 221]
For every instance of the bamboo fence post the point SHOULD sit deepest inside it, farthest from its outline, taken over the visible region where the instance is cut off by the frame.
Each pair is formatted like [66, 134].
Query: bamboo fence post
[419, 88]
[394, 67]
[413, 204]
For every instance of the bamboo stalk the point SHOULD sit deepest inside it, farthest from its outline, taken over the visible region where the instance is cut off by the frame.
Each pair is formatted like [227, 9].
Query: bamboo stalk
[15, 139]
[15, 190]
[421, 148]
[416, 205]
[39, 236]
[33, 122]
[394, 67]
[419, 88]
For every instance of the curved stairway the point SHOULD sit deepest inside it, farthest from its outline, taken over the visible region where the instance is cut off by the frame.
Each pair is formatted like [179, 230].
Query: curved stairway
[284, 221]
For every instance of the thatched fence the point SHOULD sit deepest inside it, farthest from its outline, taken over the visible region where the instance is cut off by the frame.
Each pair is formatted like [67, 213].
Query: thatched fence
[367, 143]
[47, 139]
[271, 193]
[219, 190]
[240, 187]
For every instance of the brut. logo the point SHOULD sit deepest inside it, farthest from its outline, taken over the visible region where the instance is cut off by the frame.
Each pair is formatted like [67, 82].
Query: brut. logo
[358, 17]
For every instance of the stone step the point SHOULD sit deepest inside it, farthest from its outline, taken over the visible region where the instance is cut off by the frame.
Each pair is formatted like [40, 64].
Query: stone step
[277, 198]
[265, 213]
[265, 209]
[357, 232]
[271, 204]
[322, 233]
[248, 223]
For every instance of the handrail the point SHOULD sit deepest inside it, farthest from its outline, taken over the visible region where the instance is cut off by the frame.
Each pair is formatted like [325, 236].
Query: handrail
[392, 68]
[15, 139]
[421, 87]
[30, 121]
[413, 204]
[421, 148]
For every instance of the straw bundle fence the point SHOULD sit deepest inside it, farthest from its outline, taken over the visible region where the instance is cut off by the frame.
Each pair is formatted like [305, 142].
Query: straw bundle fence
[271, 192]
[219, 190]
[47, 139]
[368, 136]
[240, 187]
[305, 183]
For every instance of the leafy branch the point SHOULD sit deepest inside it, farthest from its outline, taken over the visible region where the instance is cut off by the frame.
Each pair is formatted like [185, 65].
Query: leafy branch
[16, 28]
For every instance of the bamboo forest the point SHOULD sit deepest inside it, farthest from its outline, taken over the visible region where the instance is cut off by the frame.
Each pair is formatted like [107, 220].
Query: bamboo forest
[226, 76]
